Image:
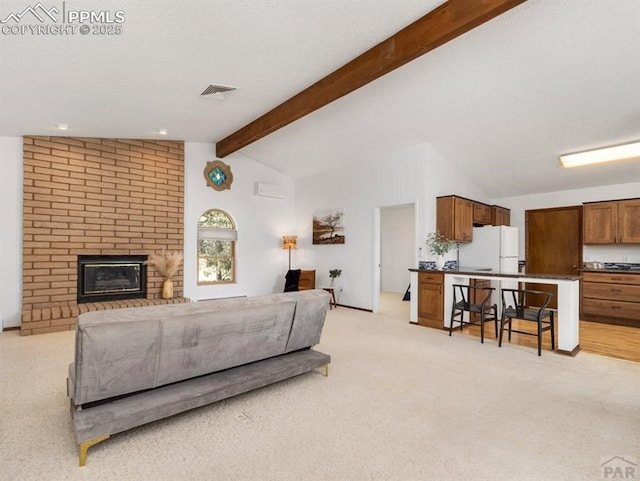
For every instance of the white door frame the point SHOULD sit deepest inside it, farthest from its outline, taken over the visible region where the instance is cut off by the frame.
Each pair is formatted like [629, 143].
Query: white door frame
[375, 295]
[377, 249]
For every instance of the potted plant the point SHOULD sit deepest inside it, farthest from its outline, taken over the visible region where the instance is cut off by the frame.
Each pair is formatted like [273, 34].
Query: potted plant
[439, 245]
[167, 264]
[333, 273]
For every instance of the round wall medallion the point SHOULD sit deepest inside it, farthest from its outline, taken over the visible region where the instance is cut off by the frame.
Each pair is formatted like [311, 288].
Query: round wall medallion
[218, 175]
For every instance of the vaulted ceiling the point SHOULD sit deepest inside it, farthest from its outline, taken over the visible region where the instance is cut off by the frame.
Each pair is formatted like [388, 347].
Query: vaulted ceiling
[501, 101]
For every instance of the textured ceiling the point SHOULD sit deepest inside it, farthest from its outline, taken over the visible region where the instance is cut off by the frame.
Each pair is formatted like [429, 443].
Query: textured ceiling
[502, 101]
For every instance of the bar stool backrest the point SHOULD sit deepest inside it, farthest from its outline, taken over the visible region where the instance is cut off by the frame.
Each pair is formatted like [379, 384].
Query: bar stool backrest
[516, 299]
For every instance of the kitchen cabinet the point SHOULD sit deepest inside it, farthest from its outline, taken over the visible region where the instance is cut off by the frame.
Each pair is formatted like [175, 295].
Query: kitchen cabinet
[431, 299]
[481, 214]
[500, 215]
[611, 298]
[454, 218]
[612, 222]
[629, 221]
[600, 222]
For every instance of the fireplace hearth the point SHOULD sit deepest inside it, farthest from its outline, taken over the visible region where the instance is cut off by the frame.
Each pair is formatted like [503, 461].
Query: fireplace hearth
[111, 278]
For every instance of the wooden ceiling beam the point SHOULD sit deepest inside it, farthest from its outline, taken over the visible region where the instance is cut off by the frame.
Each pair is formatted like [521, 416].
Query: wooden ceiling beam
[448, 21]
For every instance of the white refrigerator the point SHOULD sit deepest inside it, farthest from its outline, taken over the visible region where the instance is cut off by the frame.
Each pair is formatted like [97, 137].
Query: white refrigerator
[492, 246]
[495, 247]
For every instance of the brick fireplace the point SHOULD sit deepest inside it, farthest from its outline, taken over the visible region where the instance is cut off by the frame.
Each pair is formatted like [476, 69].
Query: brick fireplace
[90, 197]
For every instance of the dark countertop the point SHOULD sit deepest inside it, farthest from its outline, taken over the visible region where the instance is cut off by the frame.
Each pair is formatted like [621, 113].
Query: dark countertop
[462, 268]
[612, 271]
[489, 273]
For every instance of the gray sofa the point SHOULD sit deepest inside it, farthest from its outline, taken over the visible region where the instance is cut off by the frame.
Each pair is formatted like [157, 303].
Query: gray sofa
[138, 365]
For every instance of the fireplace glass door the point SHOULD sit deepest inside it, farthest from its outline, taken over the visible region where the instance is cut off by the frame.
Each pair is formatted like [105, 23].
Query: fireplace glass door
[104, 278]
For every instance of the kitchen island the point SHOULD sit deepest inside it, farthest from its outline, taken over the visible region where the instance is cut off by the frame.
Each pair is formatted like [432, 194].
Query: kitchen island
[568, 314]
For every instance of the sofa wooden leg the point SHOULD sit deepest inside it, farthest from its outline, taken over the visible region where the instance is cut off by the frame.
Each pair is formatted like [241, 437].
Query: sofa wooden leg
[86, 445]
[326, 370]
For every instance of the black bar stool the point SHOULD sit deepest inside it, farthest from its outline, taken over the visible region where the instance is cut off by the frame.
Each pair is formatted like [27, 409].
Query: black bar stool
[463, 301]
[516, 299]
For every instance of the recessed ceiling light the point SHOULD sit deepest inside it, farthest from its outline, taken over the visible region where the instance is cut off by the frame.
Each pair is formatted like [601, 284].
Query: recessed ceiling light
[604, 154]
[162, 131]
[62, 126]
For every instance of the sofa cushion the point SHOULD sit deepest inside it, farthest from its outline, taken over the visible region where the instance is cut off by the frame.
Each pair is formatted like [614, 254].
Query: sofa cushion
[121, 351]
[128, 412]
[311, 310]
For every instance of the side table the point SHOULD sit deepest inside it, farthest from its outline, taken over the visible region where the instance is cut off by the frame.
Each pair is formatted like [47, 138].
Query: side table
[331, 290]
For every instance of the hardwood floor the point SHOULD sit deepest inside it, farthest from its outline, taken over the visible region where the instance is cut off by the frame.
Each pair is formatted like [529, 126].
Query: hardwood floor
[610, 340]
[622, 342]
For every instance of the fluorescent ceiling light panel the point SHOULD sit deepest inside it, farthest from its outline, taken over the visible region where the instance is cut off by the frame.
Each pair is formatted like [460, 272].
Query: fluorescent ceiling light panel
[605, 154]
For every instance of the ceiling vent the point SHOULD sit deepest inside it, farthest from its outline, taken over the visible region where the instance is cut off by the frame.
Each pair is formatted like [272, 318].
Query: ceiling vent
[217, 91]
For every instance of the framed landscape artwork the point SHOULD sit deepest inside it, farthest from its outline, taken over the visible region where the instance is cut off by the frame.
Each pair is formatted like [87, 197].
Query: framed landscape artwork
[328, 226]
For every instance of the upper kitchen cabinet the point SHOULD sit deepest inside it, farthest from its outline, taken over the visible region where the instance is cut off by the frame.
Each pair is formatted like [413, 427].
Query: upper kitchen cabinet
[600, 223]
[454, 218]
[481, 214]
[612, 222]
[629, 221]
[500, 215]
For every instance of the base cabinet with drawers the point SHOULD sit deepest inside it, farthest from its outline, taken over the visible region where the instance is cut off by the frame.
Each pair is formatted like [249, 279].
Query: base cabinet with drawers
[431, 299]
[611, 298]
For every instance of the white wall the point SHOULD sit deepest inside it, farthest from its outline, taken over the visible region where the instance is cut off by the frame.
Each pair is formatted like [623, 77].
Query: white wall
[415, 175]
[11, 231]
[520, 204]
[261, 223]
[397, 241]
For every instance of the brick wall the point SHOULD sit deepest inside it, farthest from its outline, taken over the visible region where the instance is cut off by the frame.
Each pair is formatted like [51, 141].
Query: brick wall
[94, 196]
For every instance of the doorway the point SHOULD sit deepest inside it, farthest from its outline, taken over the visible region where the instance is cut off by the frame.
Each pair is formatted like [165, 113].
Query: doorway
[553, 245]
[395, 253]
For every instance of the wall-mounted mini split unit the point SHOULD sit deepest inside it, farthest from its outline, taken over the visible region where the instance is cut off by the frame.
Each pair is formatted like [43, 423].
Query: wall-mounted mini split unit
[269, 190]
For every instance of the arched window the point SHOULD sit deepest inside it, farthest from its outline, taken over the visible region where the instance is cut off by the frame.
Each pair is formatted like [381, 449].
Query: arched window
[216, 248]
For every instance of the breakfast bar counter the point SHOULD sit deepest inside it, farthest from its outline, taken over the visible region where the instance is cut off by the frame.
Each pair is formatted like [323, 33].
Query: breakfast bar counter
[568, 298]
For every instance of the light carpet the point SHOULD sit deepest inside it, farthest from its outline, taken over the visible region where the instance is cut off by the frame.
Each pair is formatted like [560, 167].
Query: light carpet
[401, 402]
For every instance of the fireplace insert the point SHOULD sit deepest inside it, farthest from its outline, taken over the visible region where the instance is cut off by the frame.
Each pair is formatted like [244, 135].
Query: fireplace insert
[111, 278]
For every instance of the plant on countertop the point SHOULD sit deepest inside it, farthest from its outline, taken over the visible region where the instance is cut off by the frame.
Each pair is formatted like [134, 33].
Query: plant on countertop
[439, 244]
[167, 264]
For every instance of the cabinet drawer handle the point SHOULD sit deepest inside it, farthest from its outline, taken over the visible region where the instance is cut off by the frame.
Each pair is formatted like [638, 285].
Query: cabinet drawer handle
[616, 278]
[616, 307]
[616, 290]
